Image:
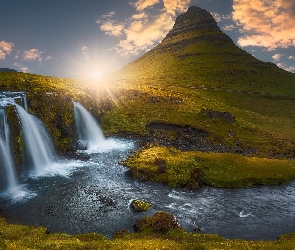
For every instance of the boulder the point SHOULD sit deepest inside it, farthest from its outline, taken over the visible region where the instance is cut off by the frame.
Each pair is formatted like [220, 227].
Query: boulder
[161, 222]
[81, 145]
[140, 206]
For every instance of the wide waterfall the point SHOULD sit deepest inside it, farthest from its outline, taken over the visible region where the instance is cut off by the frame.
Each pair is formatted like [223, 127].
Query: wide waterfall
[39, 152]
[88, 130]
[9, 183]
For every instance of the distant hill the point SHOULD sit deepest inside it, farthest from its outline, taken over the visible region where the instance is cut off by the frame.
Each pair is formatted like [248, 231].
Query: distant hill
[197, 53]
[7, 70]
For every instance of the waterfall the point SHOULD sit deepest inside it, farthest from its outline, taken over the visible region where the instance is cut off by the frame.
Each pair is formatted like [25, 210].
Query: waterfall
[88, 129]
[9, 181]
[39, 152]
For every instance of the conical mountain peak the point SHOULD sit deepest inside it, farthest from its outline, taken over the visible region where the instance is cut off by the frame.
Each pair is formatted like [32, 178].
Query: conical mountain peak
[195, 22]
[197, 53]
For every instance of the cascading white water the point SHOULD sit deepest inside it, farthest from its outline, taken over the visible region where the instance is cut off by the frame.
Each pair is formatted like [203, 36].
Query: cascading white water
[87, 128]
[39, 152]
[9, 183]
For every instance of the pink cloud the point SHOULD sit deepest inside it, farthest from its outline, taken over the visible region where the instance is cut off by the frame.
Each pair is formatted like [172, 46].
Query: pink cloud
[145, 28]
[5, 49]
[269, 24]
[143, 4]
[22, 68]
[112, 28]
[32, 55]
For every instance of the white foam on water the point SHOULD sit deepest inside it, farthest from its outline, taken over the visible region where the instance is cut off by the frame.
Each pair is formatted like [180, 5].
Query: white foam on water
[62, 168]
[17, 194]
[242, 214]
[108, 145]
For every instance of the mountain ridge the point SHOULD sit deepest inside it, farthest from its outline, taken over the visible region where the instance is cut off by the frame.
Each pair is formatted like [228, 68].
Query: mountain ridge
[196, 52]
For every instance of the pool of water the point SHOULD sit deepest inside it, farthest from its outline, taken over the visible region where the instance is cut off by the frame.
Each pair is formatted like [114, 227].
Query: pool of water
[95, 196]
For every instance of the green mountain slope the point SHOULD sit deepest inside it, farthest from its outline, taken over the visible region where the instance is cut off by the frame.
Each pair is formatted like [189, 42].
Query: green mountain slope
[197, 53]
[195, 69]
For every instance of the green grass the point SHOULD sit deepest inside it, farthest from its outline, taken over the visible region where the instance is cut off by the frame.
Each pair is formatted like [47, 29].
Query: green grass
[220, 169]
[18, 237]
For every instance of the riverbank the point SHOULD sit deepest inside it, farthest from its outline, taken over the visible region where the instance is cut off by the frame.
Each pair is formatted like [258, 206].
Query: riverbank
[28, 237]
[192, 169]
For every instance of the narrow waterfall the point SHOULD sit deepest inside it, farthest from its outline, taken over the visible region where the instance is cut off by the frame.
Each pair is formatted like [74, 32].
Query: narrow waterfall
[39, 152]
[88, 129]
[9, 182]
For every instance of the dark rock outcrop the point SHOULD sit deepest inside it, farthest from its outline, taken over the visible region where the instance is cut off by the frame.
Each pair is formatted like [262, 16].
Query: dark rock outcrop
[226, 116]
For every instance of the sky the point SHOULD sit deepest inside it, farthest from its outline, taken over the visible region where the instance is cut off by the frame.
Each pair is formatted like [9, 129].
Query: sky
[87, 39]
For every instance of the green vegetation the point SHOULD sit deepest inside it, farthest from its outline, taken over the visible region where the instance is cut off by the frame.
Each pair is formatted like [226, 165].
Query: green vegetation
[17, 237]
[193, 71]
[140, 206]
[191, 169]
[50, 99]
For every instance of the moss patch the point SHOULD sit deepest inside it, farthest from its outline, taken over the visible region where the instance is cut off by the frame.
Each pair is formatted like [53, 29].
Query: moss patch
[192, 169]
[140, 206]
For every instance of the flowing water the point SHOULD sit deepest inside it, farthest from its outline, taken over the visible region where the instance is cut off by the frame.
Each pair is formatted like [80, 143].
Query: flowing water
[39, 151]
[95, 195]
[88, 129]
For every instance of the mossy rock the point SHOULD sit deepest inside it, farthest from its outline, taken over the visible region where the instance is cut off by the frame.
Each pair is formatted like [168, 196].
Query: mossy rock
[161, 222]
[140, 206]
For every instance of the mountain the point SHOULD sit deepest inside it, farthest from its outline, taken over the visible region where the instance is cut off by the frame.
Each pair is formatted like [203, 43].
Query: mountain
[197, 53]
[198, 79]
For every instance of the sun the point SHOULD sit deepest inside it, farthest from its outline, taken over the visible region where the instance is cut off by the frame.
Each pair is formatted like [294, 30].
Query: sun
[95, 75]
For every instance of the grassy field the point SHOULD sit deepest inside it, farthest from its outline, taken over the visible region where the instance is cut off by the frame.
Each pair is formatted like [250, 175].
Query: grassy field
[18, 237]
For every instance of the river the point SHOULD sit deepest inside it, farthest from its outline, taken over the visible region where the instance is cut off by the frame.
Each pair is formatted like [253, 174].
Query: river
[95, 195]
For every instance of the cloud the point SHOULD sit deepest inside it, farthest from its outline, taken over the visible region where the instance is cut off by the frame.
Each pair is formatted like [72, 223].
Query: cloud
[85, 51]
[269, 24]
[110, 14]
[286, 67]
[277, 57]
[22, 68]
[219, 18]
[112, 28]
[5, 49]
[141, 36]
[49, 58]
[32, 55]
[145, 28]
[216, 16]
[143, 4]
[229, 27]
[140, 16]
[173, 6]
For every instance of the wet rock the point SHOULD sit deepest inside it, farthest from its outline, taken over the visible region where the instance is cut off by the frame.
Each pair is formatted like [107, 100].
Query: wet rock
[82, 157]
[81, 145]
[140, 206]
[197, 230]
[196, 179]
[161, 164]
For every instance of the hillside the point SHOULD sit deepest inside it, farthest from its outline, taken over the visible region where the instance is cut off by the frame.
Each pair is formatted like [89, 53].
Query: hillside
[196, 78]
[196, 53]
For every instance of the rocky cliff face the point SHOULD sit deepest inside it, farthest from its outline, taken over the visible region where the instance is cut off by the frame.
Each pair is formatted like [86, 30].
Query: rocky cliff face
[195, 24]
